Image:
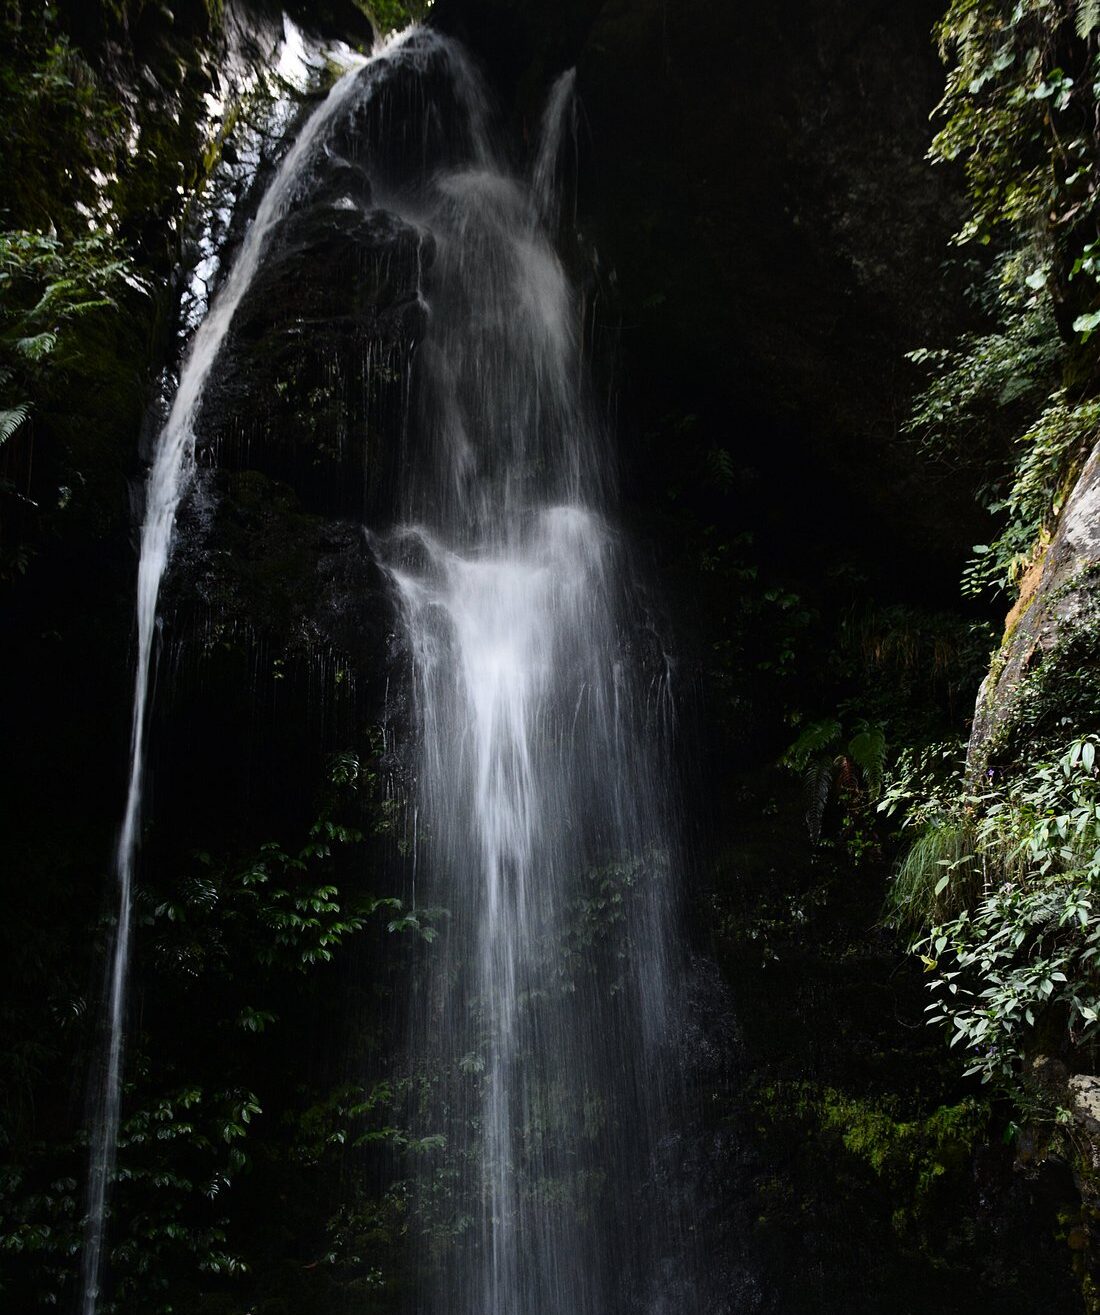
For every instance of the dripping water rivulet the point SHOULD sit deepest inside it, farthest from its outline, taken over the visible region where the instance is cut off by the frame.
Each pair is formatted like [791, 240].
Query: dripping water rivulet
[167, 482]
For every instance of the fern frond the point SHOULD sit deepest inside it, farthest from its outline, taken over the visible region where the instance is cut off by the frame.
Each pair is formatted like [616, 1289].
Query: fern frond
[12, 419]
[819, 785]
[37, 347]
[93, 303]
[816, 737]
[868, 751]
[720, 462]
[1087, 18]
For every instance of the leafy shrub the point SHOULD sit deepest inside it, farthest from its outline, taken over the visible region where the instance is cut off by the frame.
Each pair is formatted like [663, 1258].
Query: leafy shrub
[1015, 937]
[1019, 111]
[830, 767]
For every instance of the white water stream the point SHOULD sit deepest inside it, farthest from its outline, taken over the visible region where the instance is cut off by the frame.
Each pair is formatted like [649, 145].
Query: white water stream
[168, 480]
[542, 780]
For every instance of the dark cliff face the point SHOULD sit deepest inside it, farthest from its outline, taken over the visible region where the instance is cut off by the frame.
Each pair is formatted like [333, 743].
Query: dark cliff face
[768, 240]
[275, 594]
[755, 178]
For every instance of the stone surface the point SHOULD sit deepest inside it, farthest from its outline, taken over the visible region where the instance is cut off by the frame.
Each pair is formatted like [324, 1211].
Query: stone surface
[314, 376]
[1048, 631]
[1084, 1092]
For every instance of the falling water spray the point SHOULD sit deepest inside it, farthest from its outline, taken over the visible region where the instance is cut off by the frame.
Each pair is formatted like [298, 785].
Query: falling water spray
[546, 818]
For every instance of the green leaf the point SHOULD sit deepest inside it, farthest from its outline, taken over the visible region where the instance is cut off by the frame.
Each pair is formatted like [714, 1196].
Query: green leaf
[1086, 324]
[816, 737]
[12, 419]
[40, 345]
[868, 751]
[1087, 18]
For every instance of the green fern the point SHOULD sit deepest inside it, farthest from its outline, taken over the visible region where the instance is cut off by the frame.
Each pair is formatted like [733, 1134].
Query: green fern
[819, 779]
[719, 463]
[818, 736]
[12, 419]
[1087, 18]
[814, 755]
[36, 347]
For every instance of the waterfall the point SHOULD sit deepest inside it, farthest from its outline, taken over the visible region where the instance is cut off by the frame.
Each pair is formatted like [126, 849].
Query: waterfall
[544, 1034]
[167, 482]
[543, 1037]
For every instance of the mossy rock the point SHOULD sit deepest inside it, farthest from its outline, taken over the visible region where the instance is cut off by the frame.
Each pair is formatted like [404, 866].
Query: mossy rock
[1045, 679]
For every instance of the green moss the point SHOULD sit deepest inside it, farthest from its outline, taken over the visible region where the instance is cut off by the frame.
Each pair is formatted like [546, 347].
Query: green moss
[912, 1155]
[1012, 625]
[392, 15]
[1062, 689]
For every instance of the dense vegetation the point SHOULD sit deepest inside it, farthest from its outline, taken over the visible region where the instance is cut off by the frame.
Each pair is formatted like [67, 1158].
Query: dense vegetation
[1000, 884]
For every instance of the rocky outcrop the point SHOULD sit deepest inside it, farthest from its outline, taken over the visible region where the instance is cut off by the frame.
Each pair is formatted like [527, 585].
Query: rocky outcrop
[315, 374]
[1045, 678]
[275, 597]
[185, 82]
[1070, 1147]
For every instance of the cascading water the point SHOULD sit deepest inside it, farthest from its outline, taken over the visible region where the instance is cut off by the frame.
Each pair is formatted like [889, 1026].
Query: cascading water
[541, 775]
[542, 794]
[560, 118]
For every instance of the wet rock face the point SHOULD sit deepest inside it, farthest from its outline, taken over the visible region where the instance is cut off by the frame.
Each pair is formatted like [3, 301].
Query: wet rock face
[756, 177]
[275, 605]
[263, 565]
[1044, 677]
[313, 382]
[275, 599]
[278, 624]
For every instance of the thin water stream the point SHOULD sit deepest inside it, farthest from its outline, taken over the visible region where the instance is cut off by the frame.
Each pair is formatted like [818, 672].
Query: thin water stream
[167, 482]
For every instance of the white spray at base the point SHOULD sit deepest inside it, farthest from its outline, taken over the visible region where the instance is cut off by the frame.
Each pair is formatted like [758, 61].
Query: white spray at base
[168, 480]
